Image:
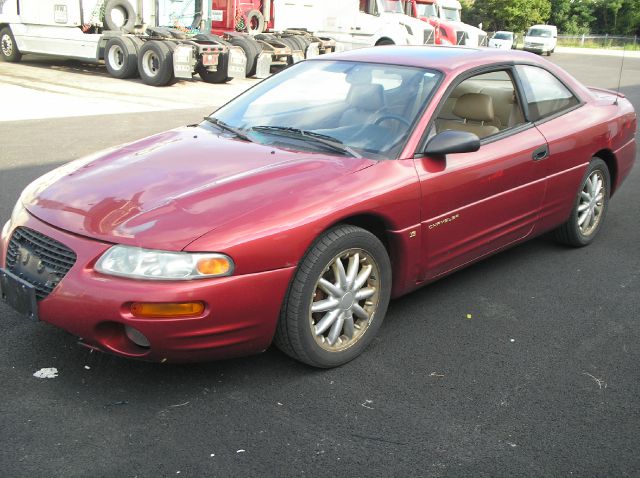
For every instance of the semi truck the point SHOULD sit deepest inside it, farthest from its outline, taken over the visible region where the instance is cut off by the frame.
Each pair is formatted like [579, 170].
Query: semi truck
[311, 27]
[445, 17]
[131, 37]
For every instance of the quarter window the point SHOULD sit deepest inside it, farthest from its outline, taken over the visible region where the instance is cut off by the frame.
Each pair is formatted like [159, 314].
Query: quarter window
[545, 94]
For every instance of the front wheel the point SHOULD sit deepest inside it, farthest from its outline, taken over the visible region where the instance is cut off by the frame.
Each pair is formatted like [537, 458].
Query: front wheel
[8, 48]
[337, 300]
[589, 208]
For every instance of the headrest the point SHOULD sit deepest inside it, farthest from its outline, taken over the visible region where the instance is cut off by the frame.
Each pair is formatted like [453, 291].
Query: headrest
[366, 97]
[474, 107]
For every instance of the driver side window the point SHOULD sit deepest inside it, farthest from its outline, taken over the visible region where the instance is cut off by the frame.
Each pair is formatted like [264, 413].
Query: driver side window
[485, 105]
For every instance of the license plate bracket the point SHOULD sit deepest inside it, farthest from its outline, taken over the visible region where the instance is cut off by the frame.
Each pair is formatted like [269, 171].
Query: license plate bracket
[210, 59]
[18, 294]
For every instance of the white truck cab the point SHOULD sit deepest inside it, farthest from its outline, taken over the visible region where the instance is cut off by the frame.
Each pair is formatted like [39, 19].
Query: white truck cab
[355, 23]
[541, 39]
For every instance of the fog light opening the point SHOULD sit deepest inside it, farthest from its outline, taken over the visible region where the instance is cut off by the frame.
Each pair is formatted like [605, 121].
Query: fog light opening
[137, 337]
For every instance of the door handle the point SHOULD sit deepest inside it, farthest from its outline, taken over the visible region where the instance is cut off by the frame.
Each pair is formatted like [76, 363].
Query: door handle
[541, 153]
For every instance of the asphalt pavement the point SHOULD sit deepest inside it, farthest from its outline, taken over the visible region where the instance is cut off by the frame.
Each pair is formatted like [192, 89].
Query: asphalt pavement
[541, 380]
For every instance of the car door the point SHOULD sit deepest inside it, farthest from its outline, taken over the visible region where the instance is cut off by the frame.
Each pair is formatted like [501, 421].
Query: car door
[476, 203]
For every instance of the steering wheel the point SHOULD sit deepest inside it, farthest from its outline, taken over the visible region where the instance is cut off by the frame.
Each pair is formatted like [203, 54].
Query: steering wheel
[392, 117]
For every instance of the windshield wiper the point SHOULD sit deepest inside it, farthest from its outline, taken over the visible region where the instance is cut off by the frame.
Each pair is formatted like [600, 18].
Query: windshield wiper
[224, 126]
[320, 138]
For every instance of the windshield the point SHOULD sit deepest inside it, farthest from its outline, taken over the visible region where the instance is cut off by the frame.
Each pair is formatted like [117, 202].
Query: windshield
[539, 32]
[393, 6]
[427, 10]
[367, 109]
[451, 14]
[503, 36]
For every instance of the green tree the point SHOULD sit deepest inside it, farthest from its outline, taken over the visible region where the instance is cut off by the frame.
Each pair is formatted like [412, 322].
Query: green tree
[514, 15]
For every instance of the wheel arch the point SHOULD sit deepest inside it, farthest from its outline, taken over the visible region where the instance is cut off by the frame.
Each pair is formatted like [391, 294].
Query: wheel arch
[385, 41]
[612, 163]
[380, 227]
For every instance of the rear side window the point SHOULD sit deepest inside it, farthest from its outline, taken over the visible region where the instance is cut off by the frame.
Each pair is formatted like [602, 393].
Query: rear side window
[545, 94]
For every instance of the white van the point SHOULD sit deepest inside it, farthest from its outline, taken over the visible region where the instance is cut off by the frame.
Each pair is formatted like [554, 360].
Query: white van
[541, 39]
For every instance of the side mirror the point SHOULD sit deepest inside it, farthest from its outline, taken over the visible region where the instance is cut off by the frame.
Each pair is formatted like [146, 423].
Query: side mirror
[449, 142]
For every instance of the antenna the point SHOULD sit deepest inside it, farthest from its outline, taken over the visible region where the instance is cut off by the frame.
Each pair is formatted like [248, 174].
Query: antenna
[624, 49]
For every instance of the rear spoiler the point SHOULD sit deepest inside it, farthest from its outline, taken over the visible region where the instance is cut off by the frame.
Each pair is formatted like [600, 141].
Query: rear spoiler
[604, 90]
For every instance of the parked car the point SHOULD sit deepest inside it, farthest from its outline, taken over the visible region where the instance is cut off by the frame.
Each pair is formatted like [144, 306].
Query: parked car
[296, 211]
[503, 40]
[541, 39]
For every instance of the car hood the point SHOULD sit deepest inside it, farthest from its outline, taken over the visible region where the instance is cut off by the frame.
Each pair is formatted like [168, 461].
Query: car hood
[167, 190]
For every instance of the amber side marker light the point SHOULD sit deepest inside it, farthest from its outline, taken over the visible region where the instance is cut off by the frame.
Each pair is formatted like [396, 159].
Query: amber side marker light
[213, 266]
[166, 309]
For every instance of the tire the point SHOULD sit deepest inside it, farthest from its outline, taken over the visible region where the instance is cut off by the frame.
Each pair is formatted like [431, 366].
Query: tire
[155, 63]
[587, 201]
[255, 22]
[251, 50]
[385, 41]
[124, 8]
[324, 338]
[8, 46]
[121, 57]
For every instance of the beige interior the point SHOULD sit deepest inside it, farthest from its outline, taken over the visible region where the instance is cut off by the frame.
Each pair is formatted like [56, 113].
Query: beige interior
[471, 113]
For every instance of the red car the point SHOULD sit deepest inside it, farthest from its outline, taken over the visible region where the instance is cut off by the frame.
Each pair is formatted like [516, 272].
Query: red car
[296, 211]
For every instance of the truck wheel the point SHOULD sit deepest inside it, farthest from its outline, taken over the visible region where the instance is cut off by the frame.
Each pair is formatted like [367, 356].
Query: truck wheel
[119, 16]
[121, 57]
[155, 63]
[255, 22]
[8, 48]
[251, 50]
[385, 41]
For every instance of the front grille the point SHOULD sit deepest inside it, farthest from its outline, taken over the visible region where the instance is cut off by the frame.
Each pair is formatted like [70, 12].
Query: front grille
[38, 259]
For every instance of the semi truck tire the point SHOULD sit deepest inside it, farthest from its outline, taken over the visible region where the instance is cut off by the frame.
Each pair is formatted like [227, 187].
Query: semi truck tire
[255, 22]
[120, 7]
[121, 57]
[8, 47]
[155, 63]
[251, 50]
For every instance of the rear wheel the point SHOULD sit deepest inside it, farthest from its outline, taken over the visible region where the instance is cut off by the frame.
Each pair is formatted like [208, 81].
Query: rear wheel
[590, 207]
[385, 41]
[155, 63]
[120, 57]
[337, 299]
[8, 48]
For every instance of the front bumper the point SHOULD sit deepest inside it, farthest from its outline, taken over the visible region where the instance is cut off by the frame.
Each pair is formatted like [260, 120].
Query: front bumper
[240, 315]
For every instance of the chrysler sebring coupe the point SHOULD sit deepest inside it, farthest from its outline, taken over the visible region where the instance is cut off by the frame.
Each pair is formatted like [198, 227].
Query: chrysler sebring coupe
[295, 212]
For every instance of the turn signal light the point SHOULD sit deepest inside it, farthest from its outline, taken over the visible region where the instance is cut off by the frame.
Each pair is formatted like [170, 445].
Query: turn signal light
[167, 309]
[213, 266]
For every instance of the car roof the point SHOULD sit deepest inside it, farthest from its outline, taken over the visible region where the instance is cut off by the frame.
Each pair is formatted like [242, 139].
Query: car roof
[444, 58]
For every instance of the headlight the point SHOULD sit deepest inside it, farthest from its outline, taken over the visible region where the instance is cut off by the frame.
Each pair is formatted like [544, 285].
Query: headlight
[138, 263]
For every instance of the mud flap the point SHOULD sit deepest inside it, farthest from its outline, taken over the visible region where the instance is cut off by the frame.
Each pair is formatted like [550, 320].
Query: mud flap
[237, 62]
[183, 62]
[263, 68]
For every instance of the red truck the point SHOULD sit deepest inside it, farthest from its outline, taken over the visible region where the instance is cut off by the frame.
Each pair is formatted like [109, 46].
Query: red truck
[444, 16]
[250, 25]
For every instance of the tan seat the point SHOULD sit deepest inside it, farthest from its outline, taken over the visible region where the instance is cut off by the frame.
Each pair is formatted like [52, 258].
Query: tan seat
[476, 110]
